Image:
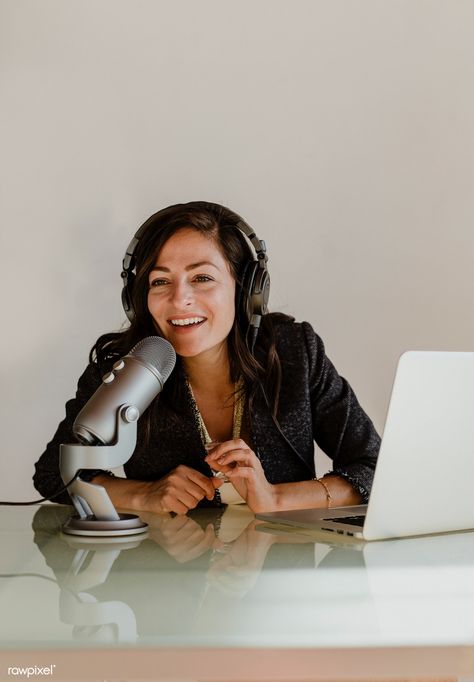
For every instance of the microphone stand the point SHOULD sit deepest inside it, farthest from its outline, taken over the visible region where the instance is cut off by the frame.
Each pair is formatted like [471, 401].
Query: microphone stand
[96, 515]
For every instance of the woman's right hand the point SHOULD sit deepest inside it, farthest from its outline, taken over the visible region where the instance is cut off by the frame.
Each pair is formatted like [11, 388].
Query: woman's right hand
[179, 491]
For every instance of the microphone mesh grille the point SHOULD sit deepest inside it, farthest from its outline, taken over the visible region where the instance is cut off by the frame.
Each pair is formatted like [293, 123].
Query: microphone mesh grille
[157, 352]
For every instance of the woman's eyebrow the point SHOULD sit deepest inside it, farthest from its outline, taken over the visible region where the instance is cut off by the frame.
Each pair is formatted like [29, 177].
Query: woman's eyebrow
[192, 266]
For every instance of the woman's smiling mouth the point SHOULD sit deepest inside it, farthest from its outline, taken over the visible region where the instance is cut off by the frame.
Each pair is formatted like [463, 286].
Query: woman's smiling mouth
[187, 323]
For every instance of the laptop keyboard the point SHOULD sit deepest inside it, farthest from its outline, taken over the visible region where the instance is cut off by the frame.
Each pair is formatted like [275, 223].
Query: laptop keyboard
[352, 520]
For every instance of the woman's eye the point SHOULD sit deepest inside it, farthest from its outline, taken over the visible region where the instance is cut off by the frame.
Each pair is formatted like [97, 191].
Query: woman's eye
[158, 282]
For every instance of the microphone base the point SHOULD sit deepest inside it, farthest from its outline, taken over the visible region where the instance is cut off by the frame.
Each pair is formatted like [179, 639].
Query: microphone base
[128, 524]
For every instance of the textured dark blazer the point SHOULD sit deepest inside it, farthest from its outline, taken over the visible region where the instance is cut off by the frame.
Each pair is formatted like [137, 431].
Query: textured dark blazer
[316, 404]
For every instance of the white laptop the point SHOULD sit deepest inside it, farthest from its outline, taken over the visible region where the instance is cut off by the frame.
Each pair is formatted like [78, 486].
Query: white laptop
[425, 470]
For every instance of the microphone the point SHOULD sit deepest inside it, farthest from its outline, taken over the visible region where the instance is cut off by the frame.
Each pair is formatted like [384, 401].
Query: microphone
[135, 379]
[107, 430]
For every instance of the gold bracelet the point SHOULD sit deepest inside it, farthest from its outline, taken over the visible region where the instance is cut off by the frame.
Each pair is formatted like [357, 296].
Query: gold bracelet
[326, 489]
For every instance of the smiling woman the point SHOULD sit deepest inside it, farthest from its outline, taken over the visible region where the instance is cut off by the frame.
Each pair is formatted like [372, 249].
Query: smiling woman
[251, 390]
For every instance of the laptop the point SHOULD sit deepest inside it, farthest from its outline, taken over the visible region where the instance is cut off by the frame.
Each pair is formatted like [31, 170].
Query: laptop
[425, 469]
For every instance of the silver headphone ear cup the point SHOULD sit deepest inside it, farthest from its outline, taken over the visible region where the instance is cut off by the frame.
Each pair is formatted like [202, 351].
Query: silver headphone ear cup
[248, 290]
[127, 296]
[260, 292]
[255, 292]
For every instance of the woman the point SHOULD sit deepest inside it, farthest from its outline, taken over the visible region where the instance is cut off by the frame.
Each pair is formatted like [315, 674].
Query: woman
[250, 392]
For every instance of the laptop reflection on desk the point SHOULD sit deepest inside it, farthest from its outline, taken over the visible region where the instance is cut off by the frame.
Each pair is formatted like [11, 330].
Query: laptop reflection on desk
[425, 468]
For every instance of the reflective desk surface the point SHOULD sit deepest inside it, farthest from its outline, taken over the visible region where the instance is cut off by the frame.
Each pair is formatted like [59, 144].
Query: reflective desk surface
[214, 596]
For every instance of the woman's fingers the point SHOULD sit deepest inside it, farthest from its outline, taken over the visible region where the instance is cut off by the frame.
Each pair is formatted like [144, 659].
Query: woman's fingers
[180, 499]
[174, 505]
[216, 482]
[227, 446]
[231, 453]
[180, 490]
[240, 457]
[186, 487]
[204, 485]
[242, 472]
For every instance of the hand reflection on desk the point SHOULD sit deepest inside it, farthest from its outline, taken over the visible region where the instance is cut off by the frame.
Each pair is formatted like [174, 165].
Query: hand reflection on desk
[236, 571]
[235, 563]
[233, 566]
[181, 537]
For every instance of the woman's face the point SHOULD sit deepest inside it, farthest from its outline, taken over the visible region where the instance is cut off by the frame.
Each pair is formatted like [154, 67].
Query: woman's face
[191, 294]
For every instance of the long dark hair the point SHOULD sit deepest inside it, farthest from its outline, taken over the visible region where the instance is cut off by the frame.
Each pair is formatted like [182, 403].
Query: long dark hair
[262, 368]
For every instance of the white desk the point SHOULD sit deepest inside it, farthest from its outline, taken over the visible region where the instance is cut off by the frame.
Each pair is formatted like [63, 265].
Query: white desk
[259, 605]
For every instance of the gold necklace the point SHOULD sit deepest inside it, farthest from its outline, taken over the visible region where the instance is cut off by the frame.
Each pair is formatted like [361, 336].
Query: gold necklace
[239, 403]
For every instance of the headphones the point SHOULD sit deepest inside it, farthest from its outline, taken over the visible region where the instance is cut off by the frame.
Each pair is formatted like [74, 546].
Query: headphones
[252, 300]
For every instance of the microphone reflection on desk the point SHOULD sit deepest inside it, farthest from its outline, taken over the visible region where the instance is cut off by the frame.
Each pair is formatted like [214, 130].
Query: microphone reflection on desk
[107, 621]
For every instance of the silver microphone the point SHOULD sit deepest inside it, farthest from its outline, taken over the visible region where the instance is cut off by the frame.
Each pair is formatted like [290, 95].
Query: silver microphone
[135, 380]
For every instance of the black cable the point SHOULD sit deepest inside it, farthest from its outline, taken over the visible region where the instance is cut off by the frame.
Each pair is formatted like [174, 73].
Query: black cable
[43, 499]
[28, 575]
[254, 332]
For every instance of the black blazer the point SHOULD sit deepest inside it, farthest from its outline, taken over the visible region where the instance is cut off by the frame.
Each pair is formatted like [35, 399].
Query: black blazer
[316, 404]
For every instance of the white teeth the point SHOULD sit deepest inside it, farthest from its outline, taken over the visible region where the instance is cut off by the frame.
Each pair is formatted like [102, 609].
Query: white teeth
[188, 321]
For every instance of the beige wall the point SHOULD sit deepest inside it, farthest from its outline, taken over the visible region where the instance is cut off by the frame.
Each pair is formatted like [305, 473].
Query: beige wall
[343, 131]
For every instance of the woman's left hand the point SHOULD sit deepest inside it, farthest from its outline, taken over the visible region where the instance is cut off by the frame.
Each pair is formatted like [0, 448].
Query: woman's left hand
[243, 468]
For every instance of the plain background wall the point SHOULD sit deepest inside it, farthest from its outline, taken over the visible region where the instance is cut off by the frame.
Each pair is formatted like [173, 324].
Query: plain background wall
[342, 131]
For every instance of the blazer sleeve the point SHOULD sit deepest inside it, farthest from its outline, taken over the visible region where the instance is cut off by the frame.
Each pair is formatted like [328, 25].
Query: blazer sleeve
[341, 428]
[47, 479]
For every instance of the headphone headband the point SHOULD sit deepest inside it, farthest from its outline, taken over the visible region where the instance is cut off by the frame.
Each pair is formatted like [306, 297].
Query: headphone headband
[258, 244]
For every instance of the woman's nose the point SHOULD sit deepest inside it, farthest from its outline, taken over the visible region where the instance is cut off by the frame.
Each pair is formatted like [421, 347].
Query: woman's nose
[181, 294]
